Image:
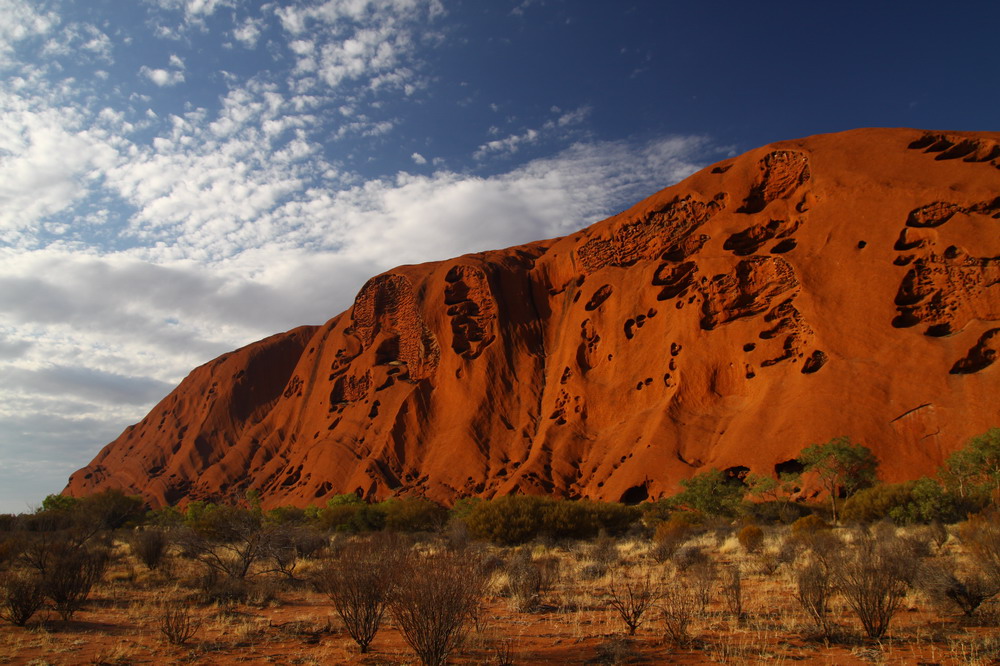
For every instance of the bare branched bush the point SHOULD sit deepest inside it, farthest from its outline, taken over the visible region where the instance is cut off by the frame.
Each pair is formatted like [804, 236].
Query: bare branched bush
[177, 625]
[604, 555]
[732, 590]
[689, 556]
[677, 610]
[874, 575]
[524, 583]
[981, 537]
[215, 587]
[361, 583]
[701, 577]
[669, 536]
[69, 564]
[21, 596]
[503, 652]
[149, 546]
[632, 596]
[550, 569]
[938, 534]
[434, 600]
[230, 540]
[948, 586]
[813, 590]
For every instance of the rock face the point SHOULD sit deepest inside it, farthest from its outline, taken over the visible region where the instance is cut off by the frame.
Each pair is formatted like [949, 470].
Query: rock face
[843, 284]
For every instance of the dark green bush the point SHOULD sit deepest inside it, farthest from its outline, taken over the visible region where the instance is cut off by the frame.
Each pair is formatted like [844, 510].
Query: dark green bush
[515, 519]
[919, 501]
[508, 520]
[413, 514]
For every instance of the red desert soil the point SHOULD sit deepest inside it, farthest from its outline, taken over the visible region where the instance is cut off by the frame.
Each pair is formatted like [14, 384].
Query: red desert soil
[842, 284]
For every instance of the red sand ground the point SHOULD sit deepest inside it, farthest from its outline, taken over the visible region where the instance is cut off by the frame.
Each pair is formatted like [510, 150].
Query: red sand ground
[843, 284]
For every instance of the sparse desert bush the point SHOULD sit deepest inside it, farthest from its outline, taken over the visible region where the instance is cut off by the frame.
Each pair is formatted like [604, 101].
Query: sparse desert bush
[677, 610]
[549, 567]
[874, 575]
[671, 534]
[177, 625]
[949, 586]
[11, 546]
[434, 600]
[813, 588]
[230, 540]
[701, 577]
[524, 581]
[68, 579]
[732, 590]
[21, 596]
[361, 583]
[689, 556]
[149, 546]
[980, 535]
[413, 514]
[605, 554]
[632, 596]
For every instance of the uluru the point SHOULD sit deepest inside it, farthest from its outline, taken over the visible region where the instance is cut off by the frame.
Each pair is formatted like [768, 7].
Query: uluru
[839, 285]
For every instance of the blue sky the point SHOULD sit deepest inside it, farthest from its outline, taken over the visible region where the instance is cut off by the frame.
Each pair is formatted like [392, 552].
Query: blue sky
[182, 177]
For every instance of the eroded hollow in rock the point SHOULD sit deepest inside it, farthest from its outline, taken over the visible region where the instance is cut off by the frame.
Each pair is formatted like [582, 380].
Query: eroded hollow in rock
[635, 495]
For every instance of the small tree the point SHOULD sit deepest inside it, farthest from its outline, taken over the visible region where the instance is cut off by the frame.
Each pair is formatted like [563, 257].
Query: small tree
[842, 467]
[712, 492]
[973, 473]
[779, 491]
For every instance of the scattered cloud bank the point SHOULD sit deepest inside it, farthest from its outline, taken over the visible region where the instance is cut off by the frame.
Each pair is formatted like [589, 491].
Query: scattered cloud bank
[140, 237]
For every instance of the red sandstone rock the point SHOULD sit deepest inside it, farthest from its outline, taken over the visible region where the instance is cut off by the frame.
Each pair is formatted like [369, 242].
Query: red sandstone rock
[843, 284]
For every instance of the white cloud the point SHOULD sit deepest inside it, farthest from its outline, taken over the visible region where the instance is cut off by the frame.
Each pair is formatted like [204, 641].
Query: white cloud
[162, 77]
[19, 21]
[47, 160]
[418, 158]
[512, 143]
[248, 32]
[506, 146]
[360, 41]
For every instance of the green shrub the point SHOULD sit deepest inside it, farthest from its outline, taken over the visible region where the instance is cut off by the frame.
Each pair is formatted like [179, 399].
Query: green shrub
[515, 519]
[507, 520]
[413, 514]
[919, 501]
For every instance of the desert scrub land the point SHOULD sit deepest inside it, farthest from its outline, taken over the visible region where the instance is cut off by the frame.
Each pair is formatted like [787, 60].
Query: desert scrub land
[700, 593]
[704, 577]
